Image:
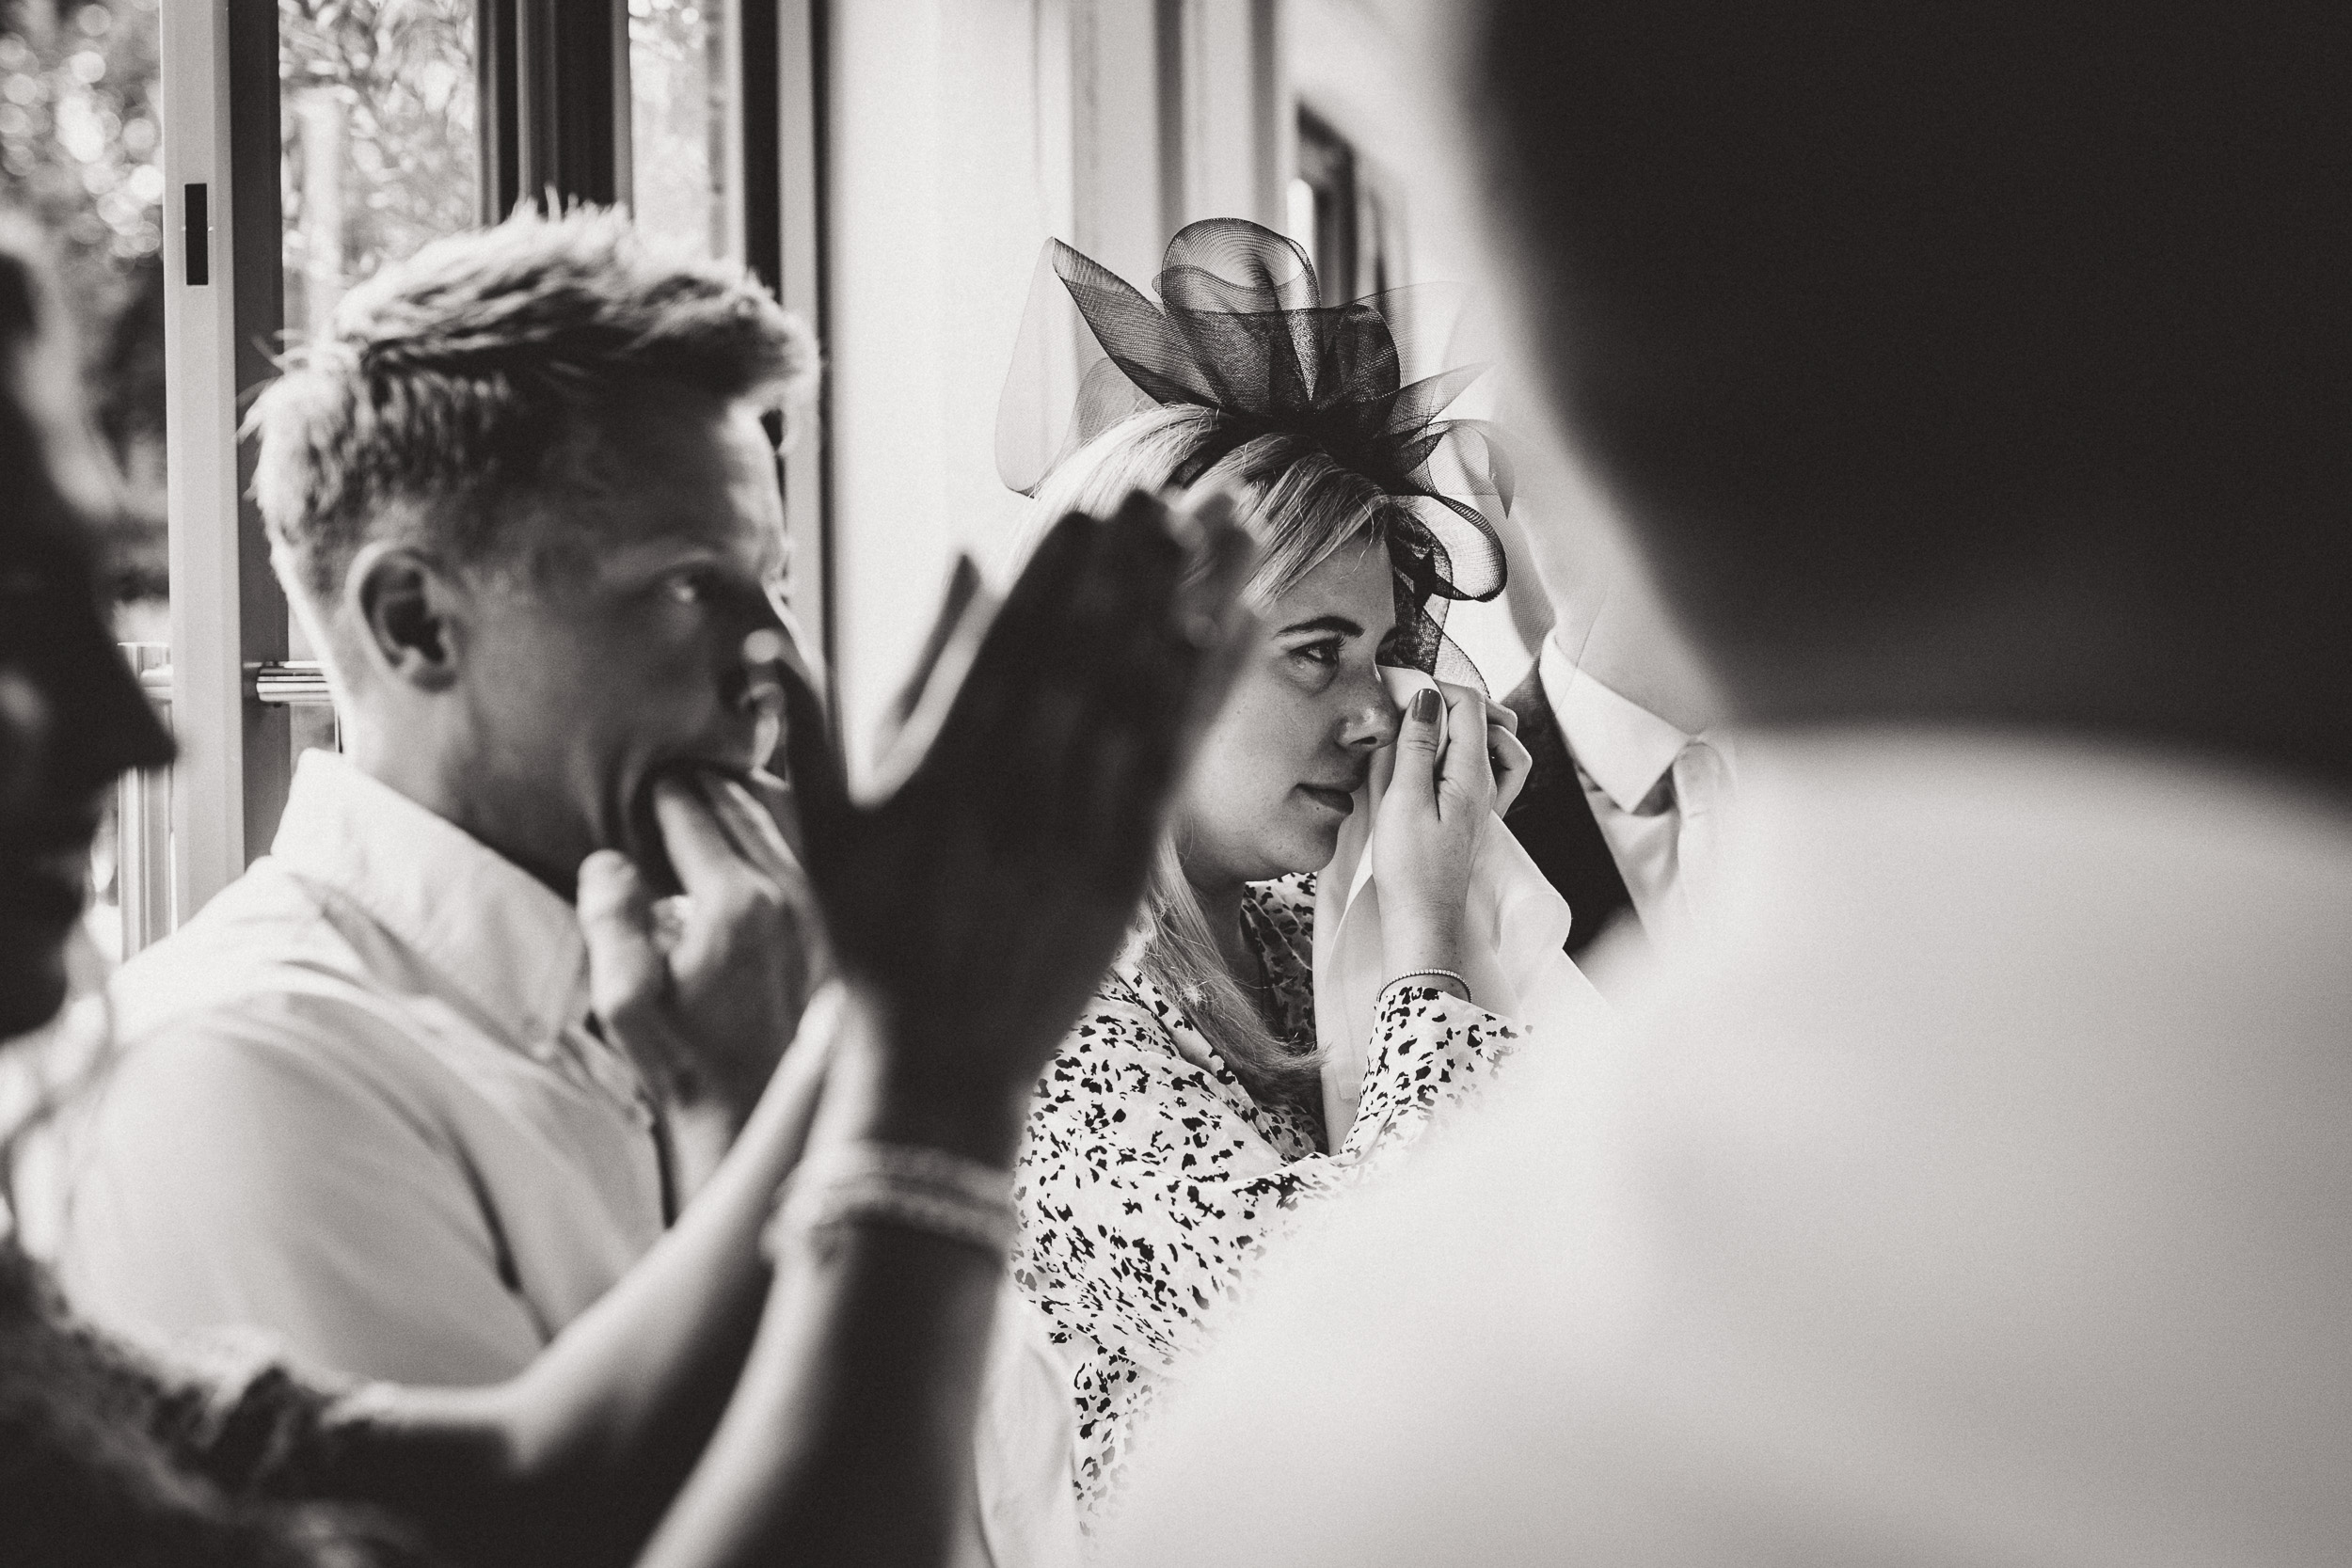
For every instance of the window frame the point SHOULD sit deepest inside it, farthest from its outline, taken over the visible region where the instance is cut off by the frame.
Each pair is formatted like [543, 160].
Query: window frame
[223, 303]
[1326, 160]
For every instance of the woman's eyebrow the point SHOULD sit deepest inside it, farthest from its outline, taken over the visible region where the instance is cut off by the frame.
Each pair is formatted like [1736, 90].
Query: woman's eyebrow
[1339, 624]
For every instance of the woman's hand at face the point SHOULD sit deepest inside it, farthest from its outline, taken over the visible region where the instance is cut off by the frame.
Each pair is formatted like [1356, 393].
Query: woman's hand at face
[975, 908]
[1436, 805]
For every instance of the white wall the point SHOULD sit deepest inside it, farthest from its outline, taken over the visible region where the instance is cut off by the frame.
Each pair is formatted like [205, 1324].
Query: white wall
[962, 134]
[941, 179]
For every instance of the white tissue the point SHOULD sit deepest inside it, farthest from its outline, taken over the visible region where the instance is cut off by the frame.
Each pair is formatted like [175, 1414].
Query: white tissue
[1512, 956]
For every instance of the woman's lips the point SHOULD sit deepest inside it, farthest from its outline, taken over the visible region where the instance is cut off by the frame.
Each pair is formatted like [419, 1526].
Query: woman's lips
[1339, 801]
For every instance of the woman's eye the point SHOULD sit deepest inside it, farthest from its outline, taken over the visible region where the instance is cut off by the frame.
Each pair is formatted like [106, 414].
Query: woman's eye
[693, 588]
[1314, 665]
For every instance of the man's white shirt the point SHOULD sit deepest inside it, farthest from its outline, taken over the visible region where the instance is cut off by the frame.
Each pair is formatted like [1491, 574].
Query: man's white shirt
[359, 1109]
[359, 1106]
[1655, 792]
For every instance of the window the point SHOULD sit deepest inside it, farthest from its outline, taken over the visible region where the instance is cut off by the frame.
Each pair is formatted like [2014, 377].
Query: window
[1339, 211]
[378, 154]
[378, 149]
[680, 168]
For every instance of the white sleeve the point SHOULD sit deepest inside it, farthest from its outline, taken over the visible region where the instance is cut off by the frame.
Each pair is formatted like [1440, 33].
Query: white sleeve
[233, 1174]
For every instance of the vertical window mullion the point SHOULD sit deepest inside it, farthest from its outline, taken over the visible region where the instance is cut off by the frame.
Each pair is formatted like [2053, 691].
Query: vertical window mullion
[219, 77]
[498, 93]
[753, 138]
[791, 187]
[257, 218]
[552, 83]
[571, 70]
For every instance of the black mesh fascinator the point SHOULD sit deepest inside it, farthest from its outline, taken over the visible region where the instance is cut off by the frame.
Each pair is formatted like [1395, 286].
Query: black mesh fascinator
[1240, 329]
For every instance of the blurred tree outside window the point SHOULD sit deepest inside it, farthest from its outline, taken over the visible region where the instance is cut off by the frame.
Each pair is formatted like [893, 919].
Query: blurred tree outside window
[678, 121]
[80, 153]
[377, 130]
[377, 156]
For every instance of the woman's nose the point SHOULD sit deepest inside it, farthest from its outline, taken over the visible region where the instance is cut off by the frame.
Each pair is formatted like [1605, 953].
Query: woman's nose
[1373, 716]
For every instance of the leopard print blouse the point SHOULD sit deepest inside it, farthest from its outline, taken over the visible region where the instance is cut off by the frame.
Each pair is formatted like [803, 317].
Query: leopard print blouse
[1150, 1180]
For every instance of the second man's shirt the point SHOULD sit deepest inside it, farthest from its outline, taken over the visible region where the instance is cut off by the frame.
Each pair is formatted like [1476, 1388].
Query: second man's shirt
[1654, 791]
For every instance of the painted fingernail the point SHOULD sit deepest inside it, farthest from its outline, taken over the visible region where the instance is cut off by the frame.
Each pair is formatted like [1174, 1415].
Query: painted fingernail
[1426, 706]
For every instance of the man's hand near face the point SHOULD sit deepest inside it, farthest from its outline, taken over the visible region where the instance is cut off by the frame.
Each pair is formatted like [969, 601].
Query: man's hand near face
[706, 1011]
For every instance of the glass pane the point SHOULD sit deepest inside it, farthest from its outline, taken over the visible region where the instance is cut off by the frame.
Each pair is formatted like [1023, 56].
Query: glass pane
[80, 152]
[376, 123]
[678, 121]
[378, 155]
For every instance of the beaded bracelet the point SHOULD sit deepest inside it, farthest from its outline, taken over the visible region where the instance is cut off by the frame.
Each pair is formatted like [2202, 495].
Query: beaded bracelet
[904, 1186]
[1415, 974]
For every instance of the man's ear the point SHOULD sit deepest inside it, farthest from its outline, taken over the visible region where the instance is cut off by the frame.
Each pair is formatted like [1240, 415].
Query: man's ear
[405, 604]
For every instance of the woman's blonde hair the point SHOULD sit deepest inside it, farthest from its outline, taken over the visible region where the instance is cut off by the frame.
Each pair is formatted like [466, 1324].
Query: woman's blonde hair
[1299, 505]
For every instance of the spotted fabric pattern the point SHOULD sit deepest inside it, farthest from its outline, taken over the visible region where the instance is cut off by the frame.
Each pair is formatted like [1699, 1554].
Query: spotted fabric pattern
[1152, 1183]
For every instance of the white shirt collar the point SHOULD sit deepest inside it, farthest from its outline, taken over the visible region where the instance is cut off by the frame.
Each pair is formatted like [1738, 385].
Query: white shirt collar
[500, 935]
[1622, 745]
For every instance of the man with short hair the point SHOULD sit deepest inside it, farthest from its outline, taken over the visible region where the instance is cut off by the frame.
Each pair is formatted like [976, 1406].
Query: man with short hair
[522, 498]
[1975, 378]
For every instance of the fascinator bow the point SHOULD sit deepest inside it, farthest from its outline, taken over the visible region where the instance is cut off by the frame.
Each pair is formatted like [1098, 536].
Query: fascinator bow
[1240, 328]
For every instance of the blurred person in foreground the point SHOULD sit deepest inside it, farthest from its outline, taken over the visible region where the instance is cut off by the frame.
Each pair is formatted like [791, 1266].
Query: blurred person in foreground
[773, 1382]
[1975, 378]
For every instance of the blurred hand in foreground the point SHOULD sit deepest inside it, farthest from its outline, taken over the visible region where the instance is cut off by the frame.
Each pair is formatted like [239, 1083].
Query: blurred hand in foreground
[975, 899]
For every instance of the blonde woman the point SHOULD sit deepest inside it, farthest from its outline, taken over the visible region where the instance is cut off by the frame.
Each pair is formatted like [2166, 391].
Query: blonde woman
[1182, 1121]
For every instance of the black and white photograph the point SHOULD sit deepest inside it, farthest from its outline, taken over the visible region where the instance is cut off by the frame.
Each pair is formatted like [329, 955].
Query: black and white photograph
[1175, 784]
